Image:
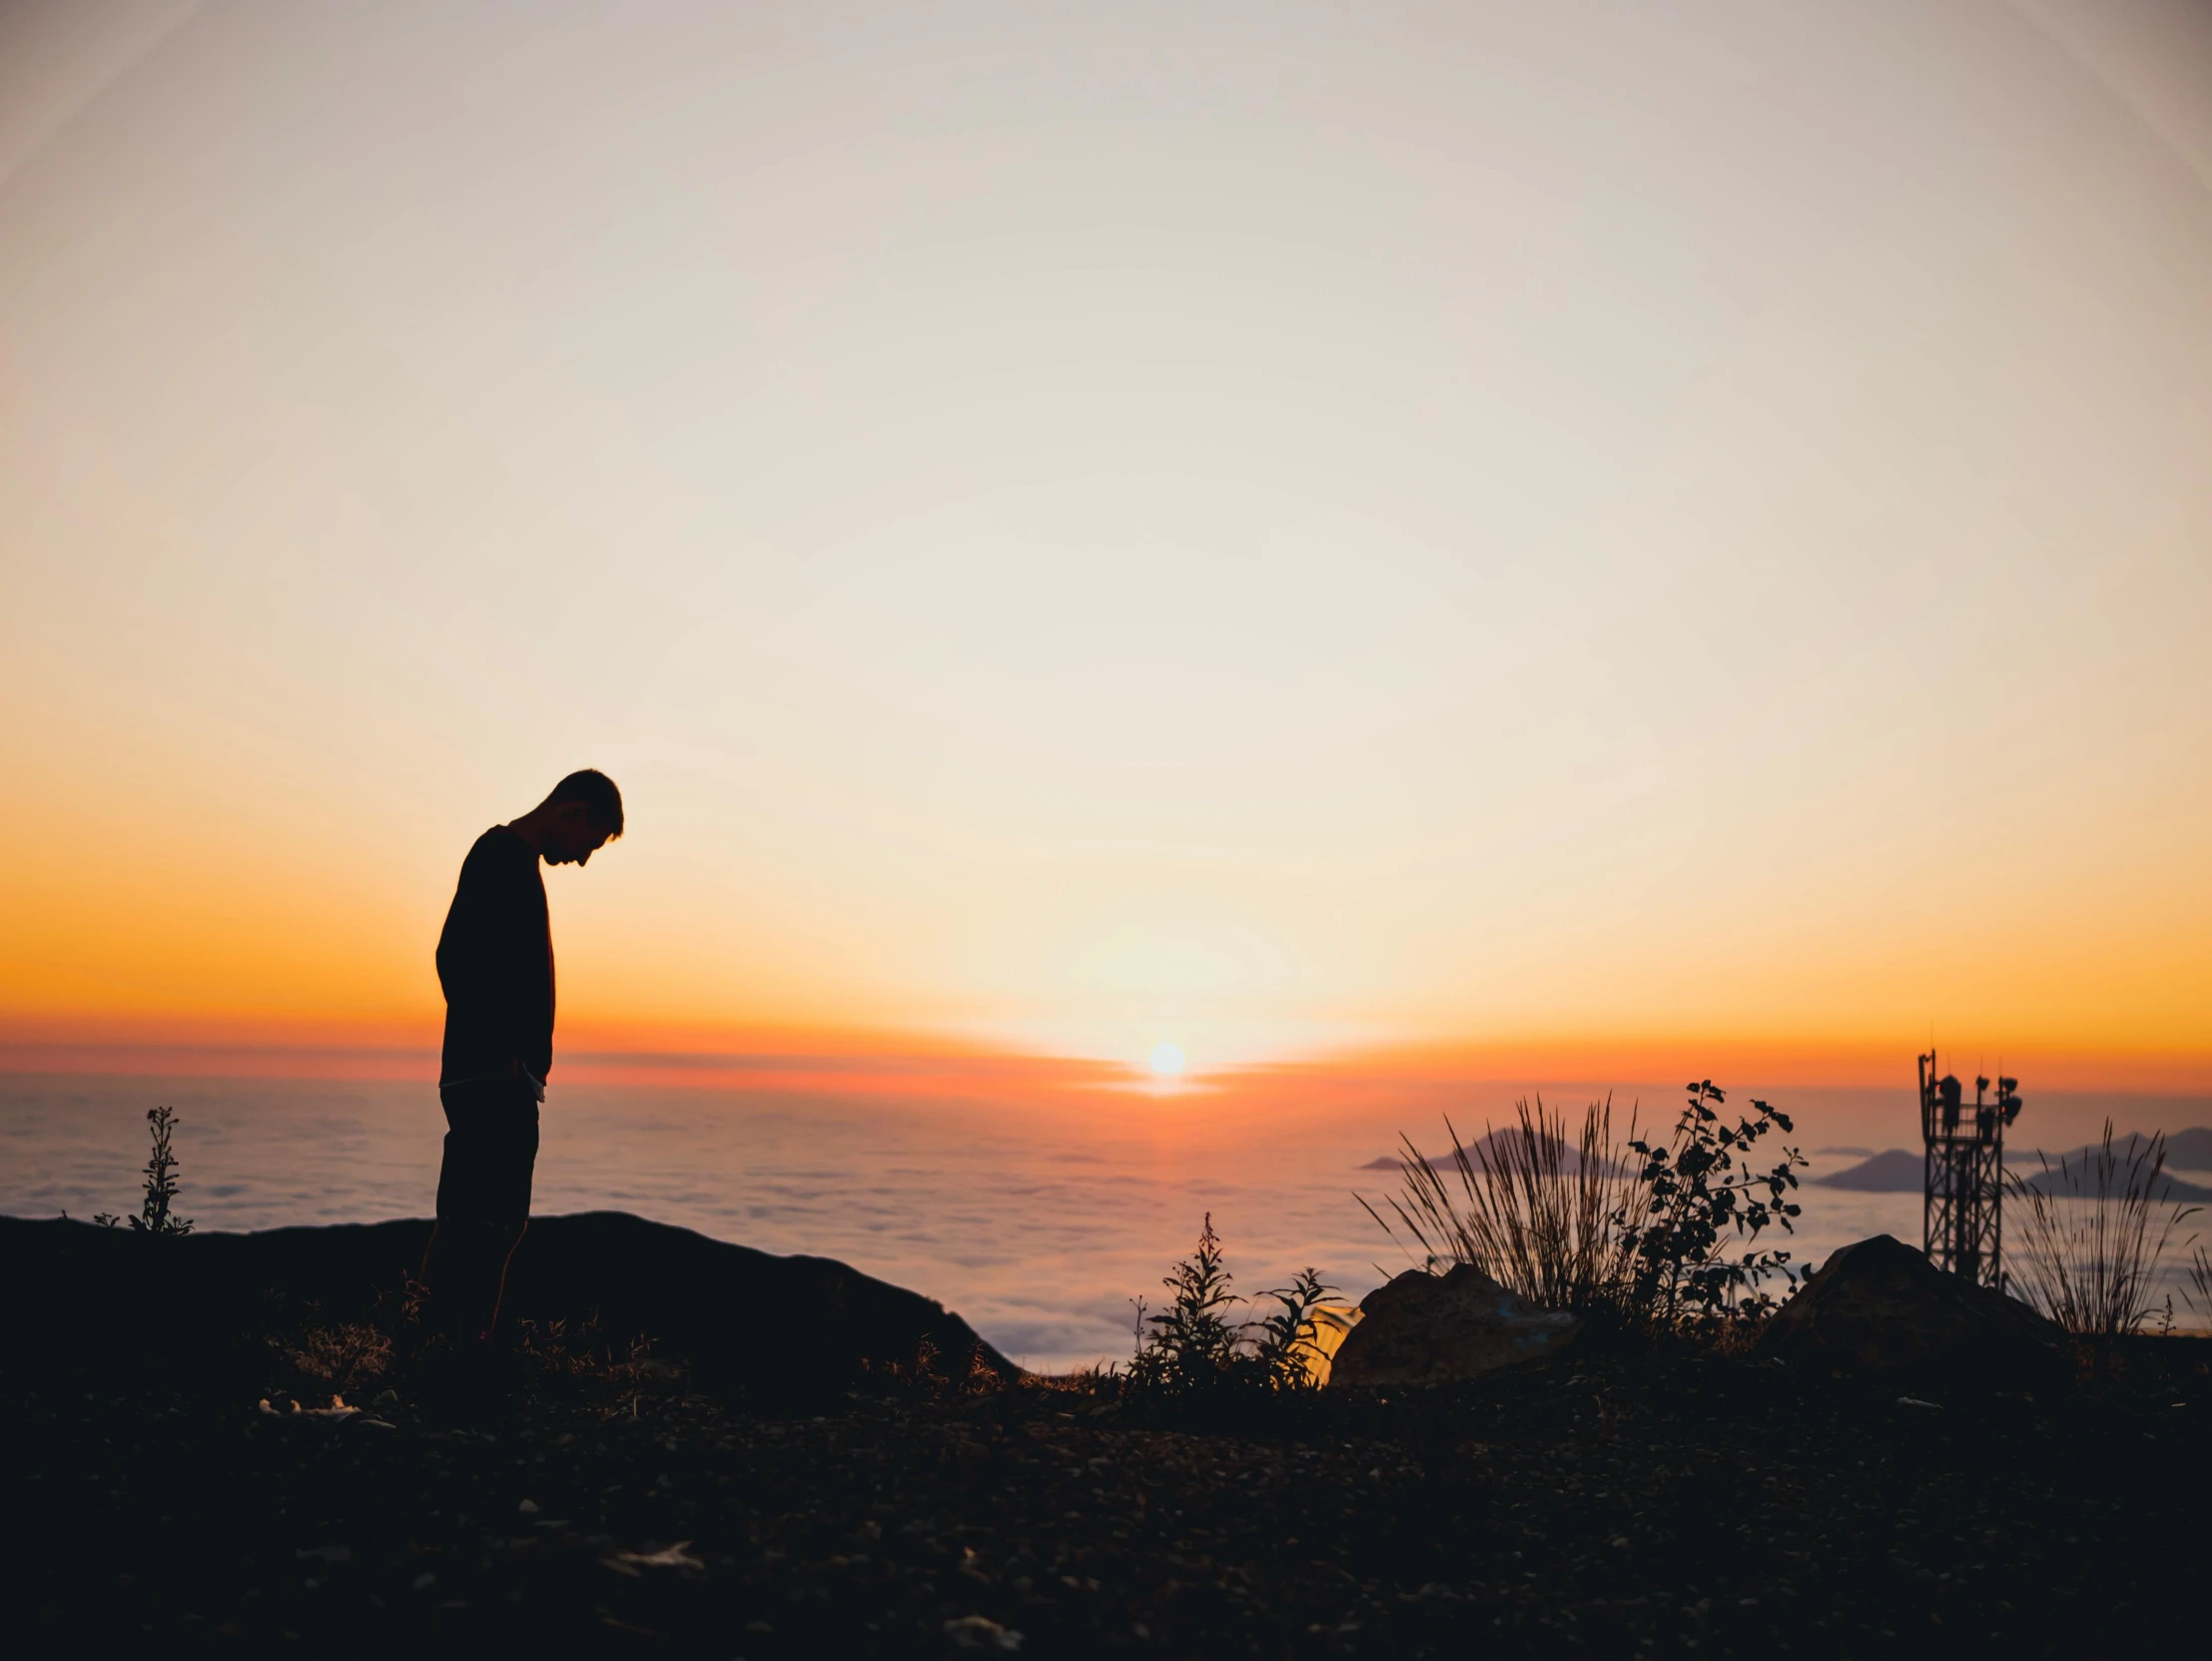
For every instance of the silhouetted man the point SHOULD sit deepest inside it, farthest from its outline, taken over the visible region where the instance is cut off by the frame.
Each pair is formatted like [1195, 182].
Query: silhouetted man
[496, 962]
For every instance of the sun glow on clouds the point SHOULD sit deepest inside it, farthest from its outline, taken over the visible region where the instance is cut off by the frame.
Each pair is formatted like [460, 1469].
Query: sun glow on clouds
[1285, 526]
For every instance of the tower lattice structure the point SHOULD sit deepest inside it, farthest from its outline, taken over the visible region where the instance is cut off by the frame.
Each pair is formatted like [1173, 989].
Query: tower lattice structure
[1962, 1208]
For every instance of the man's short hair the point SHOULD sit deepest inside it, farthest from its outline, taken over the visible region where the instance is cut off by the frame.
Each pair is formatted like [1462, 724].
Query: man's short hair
[599, 794]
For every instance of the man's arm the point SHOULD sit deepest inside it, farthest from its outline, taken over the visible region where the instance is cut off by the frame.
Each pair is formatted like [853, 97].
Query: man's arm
[492, 964]
[520, 969]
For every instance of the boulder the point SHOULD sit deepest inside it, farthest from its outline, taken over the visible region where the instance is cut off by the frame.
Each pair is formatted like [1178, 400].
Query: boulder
[1425, 1328]
[1878, 1305]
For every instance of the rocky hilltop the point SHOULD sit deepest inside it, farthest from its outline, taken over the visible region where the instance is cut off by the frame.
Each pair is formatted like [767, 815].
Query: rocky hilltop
[798, 1473]
[734, 1317]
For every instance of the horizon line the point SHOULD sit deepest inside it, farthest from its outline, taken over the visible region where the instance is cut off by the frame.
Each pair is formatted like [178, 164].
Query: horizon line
[788, 1058]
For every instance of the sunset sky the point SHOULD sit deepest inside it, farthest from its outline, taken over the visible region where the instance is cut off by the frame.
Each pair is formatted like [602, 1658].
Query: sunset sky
[1581, 535]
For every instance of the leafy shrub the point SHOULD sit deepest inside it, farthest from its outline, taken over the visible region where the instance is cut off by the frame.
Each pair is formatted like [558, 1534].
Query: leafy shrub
[584, 1364]
[1289, 1349]
[932, 1374]
[1702, 1193]
[1639, 1229]
[337, 1357]
[1197, 1345]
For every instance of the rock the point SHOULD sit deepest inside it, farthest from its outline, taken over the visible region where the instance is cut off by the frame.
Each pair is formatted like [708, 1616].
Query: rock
[1878, 1305]
[1426, 1328]
[982, 1632]
[727, 1315]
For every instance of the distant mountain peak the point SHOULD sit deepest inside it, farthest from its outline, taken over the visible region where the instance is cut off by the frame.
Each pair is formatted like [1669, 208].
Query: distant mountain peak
[1895, 1171]
[1569, 1154]
[1900, 1171]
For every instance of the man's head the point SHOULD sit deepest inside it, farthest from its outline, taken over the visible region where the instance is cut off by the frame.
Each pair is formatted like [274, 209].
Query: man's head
[580, 817]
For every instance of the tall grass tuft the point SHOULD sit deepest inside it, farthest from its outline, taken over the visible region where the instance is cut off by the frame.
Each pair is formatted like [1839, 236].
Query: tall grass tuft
[2197, 1285]
[2090, 1240]
[1582, 1225]
[1543, 1207]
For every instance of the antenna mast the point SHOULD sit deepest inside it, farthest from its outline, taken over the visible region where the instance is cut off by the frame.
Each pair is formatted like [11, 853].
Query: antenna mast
[1963, 1207]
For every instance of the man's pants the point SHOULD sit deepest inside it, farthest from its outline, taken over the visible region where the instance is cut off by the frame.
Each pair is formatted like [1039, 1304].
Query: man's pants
[483, 1204]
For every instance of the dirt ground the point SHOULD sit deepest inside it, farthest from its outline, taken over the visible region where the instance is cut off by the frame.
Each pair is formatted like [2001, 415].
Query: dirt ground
[1614, 1507]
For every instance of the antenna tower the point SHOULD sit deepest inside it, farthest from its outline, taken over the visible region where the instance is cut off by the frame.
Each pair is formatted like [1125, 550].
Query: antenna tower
[1962, 1211]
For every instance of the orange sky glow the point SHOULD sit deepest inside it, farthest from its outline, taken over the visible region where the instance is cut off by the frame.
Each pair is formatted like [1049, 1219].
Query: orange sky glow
[1430, 543]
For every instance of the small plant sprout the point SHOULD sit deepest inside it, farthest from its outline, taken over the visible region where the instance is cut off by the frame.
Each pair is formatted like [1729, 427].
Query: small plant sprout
[155, 1216]
[1289, 1349]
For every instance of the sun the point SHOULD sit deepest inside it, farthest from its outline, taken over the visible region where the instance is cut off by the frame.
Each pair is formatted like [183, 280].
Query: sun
[1167, 1061]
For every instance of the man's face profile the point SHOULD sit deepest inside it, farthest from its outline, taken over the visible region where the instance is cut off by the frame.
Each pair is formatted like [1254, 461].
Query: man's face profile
[574, 835]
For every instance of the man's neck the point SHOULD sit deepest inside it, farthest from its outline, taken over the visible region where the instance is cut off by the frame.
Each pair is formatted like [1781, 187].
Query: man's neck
[532, 829]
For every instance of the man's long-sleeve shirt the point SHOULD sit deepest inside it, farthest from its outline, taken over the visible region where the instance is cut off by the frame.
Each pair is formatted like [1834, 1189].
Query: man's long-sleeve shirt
[496, 962]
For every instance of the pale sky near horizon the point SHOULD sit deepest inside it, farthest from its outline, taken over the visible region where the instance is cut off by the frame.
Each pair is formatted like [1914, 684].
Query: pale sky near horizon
[1261, 527]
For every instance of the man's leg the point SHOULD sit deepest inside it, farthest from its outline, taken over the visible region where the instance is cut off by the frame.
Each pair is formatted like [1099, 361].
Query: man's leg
[483, 1207]
[463, 1275]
